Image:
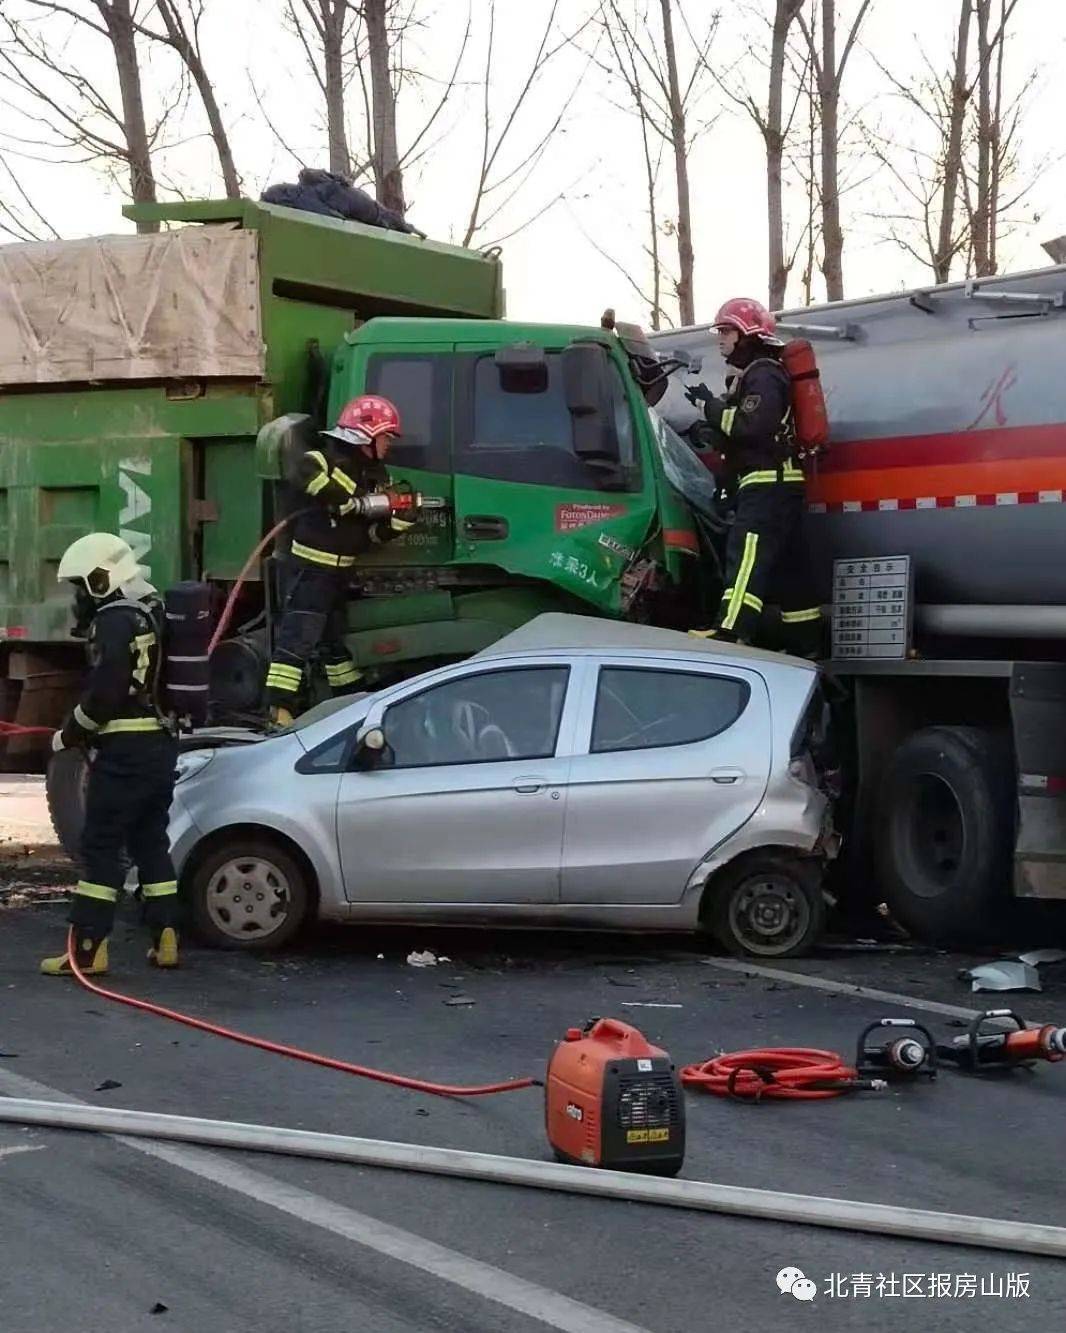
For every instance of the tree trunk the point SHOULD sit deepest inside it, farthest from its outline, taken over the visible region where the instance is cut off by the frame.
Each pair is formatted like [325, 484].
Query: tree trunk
[190, 54]
[120, 29]
[983, 209]
[685, 256]
[829, 97]
[774, 138]
[953, 153]
[388, 178]
[334, 13]
[997, 149]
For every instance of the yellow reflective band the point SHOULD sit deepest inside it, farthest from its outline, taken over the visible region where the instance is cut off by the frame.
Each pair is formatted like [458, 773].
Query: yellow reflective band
[768, 478]
[342, 479]
[322, 557]
[798, 617]
[319, 457]
[747, 564]
[316, 483]
[342, 675]
[162, 890]
[346, 507]
[82, 718]
[726, 424]
[754, 602]
[282, 683]
[131, 724]
[103, 892]
[284, 669]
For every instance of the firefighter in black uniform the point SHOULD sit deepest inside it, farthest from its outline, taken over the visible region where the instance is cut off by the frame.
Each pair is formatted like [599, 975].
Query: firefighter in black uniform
[131, 776]
[766, 556]
[340, 491]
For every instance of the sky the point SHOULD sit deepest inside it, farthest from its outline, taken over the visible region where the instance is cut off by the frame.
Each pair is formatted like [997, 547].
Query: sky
[586, 197]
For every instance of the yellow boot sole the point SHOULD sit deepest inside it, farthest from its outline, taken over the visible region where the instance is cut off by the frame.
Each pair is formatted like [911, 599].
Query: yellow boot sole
[165, 953]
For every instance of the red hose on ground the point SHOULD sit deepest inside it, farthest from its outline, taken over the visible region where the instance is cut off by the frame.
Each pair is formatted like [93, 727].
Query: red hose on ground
[796, 1073]
[276, 1048]
[16, 729]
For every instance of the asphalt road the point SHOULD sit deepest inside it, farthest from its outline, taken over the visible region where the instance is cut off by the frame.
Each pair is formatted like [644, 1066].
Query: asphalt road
[96, 1232]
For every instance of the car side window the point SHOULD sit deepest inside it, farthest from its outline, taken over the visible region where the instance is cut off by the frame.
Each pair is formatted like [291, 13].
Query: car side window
[508, 714]
[640, 709]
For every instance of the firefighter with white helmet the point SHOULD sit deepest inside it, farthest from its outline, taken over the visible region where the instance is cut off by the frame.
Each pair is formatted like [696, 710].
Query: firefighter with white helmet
[766, 557]
[131, 776]
[330, 485]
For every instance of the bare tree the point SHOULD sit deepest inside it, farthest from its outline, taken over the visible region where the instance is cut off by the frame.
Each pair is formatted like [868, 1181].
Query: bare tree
[961, 147]
[388, 175]
[324, 28]
[20, 218]
[829, 73]
[75, 113]
[181, 23]
[499, 182]
[645, 61]
[773, 126]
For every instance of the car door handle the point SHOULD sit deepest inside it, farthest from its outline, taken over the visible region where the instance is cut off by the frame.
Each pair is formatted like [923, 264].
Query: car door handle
[529, 786]
[486, 527]
[725, 776]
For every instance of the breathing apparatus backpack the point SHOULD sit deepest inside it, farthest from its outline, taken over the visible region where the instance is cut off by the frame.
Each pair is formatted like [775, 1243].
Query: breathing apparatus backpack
[810, 418]
[184, 676]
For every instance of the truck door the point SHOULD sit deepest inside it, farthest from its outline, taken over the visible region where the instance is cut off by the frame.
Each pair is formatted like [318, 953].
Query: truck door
[418, 379]
[531, 495]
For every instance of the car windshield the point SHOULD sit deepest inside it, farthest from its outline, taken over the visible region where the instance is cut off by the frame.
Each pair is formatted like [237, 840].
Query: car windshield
[323, 710]
[683, 469]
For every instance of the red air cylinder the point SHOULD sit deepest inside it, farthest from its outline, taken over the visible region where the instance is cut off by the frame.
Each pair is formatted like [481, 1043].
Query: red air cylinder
[808, 401]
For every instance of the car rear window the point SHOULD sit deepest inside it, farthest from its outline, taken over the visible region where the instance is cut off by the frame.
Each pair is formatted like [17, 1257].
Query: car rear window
[640, 709]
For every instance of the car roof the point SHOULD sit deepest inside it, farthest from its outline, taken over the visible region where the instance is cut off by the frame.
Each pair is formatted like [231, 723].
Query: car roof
[555, 632]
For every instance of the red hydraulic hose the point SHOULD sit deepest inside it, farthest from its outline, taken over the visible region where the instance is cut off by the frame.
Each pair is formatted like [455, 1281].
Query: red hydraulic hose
[16, 729]
[231, 600]
[293, 1052]
[795, 1073]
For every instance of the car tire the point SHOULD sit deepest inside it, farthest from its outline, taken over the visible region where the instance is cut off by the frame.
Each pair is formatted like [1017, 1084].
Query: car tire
[65, 783]
[946, 833]
[769, 905]
[248, 894]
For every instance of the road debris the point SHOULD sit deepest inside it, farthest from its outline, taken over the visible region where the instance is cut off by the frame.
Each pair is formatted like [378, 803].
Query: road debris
[108, 1085]
[1037, 956]
[427, 958]
[649, 1004]
[455, 1001]
[1007, 974]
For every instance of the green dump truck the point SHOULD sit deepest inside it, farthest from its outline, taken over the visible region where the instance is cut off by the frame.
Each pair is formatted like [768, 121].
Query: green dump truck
[149, 383]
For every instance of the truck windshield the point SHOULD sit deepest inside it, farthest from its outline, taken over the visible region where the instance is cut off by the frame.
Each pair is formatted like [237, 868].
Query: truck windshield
[684, 471]
[529, 437]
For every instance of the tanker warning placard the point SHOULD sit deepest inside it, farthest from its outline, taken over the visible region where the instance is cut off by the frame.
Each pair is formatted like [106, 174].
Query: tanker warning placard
[872, 607]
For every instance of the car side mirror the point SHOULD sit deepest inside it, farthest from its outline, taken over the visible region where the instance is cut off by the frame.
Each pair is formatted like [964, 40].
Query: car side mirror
[373, 739]
[371, 748]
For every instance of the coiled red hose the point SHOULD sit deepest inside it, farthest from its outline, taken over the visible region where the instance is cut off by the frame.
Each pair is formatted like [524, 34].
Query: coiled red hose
[293, 1052]
[796, 1073]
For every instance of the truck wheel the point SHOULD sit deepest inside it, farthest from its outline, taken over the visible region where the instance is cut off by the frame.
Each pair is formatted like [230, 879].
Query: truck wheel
[65, 783]
[767, 906]
[946, 833]
[248, 893]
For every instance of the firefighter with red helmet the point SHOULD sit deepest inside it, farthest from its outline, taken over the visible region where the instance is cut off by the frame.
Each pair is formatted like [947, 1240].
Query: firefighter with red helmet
[330, 485]
[766, 556]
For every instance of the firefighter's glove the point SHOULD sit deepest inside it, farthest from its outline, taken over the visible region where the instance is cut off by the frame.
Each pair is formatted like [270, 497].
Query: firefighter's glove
[698, 395]
[401, 525]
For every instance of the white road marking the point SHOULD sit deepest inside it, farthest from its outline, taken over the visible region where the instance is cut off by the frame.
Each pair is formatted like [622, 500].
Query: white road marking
[846, 988]
[491, 1283]
[25, 1147]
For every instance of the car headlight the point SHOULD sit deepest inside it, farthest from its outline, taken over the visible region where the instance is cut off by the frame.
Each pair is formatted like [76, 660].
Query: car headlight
[192, 762]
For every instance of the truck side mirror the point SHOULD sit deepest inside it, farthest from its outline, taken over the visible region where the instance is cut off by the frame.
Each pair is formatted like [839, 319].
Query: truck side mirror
[587, 385]
[523, 368]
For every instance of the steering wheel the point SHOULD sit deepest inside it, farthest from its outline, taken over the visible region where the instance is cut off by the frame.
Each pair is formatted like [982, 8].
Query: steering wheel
[648, 726]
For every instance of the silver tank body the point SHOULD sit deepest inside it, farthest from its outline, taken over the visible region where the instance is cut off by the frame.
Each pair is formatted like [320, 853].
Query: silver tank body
[948, 433]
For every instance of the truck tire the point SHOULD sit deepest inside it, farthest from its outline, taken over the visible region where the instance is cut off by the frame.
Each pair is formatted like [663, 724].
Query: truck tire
[65, 782]
[768, 905]
[945, 833]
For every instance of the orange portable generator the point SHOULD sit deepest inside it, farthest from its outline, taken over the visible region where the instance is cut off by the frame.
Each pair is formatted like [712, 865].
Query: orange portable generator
[613, 1100]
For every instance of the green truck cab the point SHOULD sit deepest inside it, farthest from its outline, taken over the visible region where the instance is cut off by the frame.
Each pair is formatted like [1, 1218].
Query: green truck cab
[146, 383]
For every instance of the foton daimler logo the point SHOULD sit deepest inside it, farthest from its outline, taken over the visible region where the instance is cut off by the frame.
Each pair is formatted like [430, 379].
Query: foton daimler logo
[136, 509]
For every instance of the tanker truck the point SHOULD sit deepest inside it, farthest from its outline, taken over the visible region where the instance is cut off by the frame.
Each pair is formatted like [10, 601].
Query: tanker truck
[938, 531]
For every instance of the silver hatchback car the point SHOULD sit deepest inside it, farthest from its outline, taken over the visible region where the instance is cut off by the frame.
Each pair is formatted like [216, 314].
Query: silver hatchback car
[577, 773]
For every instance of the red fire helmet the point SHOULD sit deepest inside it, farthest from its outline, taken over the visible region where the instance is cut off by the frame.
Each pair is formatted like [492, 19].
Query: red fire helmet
[365, 418]
[747, 316]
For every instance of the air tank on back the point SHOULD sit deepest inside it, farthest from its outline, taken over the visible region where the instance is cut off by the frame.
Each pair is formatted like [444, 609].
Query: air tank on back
[948, 438]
